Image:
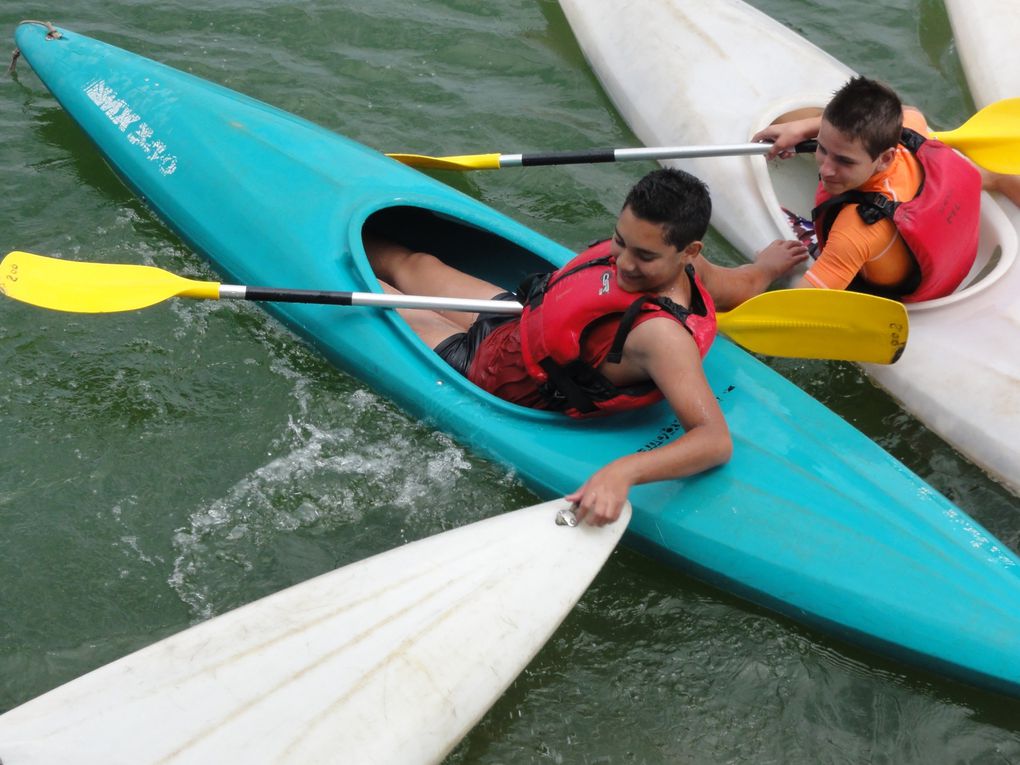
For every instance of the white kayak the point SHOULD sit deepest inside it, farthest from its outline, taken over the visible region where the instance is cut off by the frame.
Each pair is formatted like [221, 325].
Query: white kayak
[389, 660]
[716, 71]
[986, 33]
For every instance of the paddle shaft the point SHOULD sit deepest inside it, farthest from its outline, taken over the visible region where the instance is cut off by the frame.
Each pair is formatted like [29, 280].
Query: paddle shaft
[807, 323]
[586, 156]
[593, 156]
[989, 139]
[378, 300]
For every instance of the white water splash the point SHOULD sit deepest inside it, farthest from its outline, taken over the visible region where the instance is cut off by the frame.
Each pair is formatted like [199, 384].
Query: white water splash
[318, 485]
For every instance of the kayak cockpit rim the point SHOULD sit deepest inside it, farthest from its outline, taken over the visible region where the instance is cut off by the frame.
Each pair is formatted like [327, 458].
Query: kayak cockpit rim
[780, 184]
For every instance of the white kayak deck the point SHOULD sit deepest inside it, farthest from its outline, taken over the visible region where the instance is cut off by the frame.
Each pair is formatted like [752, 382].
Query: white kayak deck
[389, 660]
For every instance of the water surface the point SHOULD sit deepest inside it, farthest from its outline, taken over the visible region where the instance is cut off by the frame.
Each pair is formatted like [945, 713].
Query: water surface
[163, 466]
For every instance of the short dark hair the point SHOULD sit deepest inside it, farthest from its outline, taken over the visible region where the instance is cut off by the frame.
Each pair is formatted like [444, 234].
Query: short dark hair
[868, 111]
[675, 199]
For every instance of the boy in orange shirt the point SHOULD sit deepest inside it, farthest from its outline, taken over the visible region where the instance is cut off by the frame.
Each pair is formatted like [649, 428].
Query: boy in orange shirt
[860, 150]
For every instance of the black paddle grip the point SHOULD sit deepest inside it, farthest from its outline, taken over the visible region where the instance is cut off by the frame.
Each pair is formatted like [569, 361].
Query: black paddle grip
[297, 296]
[569, 157]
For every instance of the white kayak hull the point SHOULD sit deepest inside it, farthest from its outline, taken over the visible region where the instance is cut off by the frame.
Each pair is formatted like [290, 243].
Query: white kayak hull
[986, 34]
[670, 69]
[689, 71]
[389, 660]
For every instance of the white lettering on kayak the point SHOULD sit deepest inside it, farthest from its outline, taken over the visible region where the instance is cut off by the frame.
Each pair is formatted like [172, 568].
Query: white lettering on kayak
[124, 117]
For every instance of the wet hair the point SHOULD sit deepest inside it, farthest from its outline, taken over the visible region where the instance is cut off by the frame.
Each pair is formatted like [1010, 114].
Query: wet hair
[676, 200]
[867, 111]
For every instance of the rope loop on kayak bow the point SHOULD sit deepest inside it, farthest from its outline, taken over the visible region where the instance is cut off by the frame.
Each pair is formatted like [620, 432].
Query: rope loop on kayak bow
[52, 33]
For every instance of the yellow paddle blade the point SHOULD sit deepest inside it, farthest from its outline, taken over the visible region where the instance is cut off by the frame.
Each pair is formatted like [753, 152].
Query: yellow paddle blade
[819, 324]
[991, 138]
[462, 162]
[67, 285]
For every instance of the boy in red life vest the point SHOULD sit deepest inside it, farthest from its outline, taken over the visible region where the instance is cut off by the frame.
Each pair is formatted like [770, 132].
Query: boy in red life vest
[622, 325]
[896, 214]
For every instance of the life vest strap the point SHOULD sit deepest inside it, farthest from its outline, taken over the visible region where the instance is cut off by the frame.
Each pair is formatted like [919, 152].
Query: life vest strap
[678, 311]
[566, 385]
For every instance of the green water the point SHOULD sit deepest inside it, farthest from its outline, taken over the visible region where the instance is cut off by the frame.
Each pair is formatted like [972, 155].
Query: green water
[160, 467]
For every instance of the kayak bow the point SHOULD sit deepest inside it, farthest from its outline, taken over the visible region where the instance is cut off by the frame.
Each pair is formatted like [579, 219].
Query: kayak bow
[340, 663]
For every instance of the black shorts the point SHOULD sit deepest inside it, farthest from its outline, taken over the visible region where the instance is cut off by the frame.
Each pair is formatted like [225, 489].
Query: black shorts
[459, 350]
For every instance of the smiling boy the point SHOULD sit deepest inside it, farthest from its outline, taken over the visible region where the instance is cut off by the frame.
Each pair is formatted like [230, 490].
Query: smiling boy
[622, 325]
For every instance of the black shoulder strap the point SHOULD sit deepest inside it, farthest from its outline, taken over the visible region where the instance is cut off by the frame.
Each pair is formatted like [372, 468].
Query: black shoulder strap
[626, 324]
[912, 139]
[630, 315]
[532, 289]
[871, 206]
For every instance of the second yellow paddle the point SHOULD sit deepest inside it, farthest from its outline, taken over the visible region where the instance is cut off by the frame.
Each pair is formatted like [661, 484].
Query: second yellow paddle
[991, 138]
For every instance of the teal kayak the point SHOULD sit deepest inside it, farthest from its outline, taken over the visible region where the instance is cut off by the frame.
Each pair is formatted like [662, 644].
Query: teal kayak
[809, 518]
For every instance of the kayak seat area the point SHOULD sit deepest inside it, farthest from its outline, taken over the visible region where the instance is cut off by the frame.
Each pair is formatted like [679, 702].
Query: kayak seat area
[458, 244]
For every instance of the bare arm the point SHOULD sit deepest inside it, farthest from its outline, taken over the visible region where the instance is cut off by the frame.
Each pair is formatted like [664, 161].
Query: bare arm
[668, 355]
[790, 129]
[731, 286]
[784, 136]
[1007, 185]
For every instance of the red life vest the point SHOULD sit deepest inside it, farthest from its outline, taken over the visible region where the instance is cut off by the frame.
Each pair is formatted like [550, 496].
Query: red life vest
[939, 225]
[561, 308]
